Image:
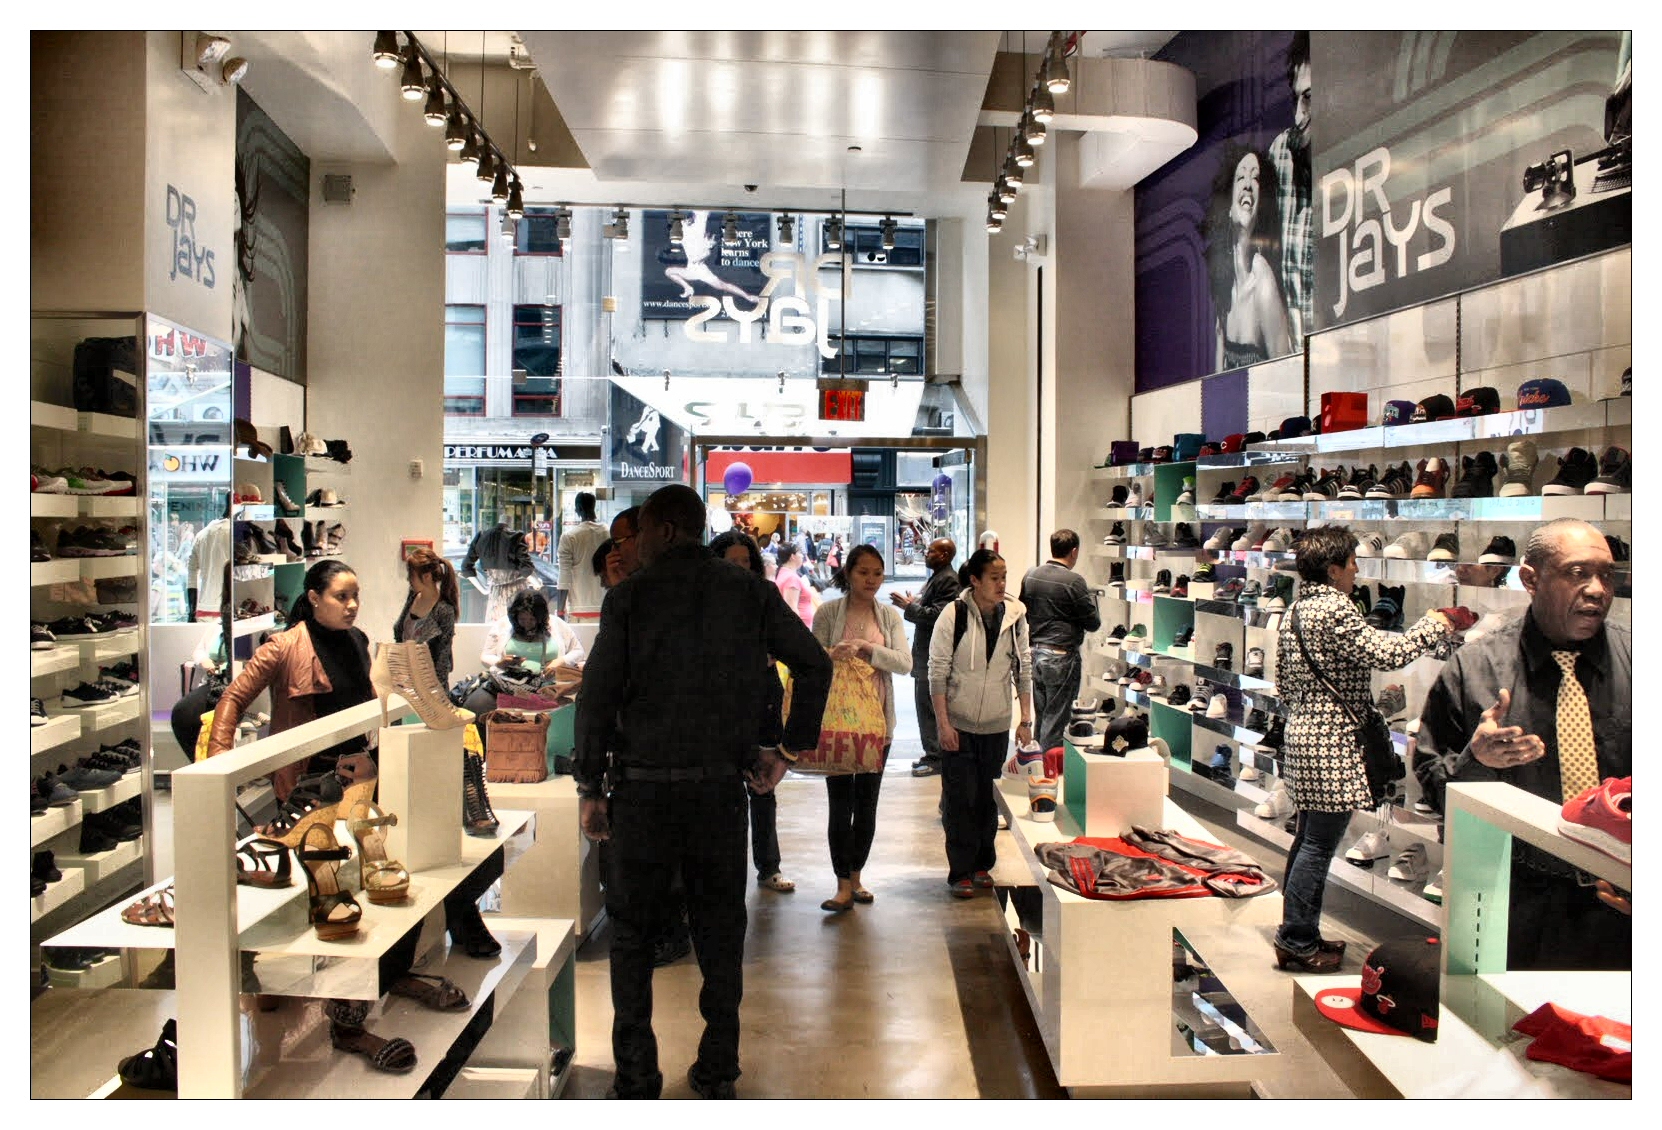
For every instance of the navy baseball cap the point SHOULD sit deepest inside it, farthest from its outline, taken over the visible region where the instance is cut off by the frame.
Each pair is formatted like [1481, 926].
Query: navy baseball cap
[1543, 393]
[1125, 733]
[1398, 412]
[1294, 426]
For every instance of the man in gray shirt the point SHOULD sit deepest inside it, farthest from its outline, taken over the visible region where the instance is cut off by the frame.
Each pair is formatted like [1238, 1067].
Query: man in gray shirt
[1493, 715]
[1060, 610]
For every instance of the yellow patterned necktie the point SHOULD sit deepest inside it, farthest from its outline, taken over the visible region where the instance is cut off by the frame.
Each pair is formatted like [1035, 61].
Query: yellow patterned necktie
[1578, 762]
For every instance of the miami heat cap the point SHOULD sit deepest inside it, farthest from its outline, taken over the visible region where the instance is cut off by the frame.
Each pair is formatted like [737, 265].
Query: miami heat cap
[1399, 994]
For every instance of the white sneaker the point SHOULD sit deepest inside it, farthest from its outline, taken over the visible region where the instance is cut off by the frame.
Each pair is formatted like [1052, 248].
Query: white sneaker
[1249, 772]
[1371, 544]
[1222, 538]
[1278, 807]
[1254, 536]
[1279, 541]
[1186, 496]
[1218, 707]
[1433, 891]
[1411, 864]
[1371, 848]
[1134, 497]
[1411, 546]
[1255, 663]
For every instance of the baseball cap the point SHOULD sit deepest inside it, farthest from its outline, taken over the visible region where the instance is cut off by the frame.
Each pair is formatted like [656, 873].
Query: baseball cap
[1478, 401]
[1543, 393]
[1398, 412]
[1294, 426]
[1434, 407]
[1125, 733]
[1234, 442]
[1399, 994]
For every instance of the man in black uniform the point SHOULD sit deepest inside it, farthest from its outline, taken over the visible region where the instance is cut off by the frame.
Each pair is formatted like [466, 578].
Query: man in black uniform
[923, 610]
[1060, 610]
[673, 685]
[1506, 708]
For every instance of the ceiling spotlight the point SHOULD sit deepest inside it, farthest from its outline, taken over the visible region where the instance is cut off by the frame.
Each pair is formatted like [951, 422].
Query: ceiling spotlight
[510, 229]
[562, 222]
[235, 68]
[386, 55]
[499, 183]
[620, 225]
[787, 229]
[1022, 152]
[996, 207]
[434, 111]
[1056, 69]
[887, 227]
[470, 147]
[677, 232]
[1041, 105]
[834, 234]
[995, 223]
[412, 84]
[455, 133]
[487, 165]
[1012, 173]
[1004, 190]
[730, 228]
[1034, 132]
[516, 198]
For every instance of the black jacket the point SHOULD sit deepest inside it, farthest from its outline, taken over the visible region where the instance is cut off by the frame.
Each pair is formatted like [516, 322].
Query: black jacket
[499, 547]
[941, 590]
[678, 672]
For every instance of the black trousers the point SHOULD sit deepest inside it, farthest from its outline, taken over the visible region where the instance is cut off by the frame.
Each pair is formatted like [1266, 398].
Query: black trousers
[925, 706]
[460, 906]
[764, 832]
[1557, 924]
[852, 823]
[698, 828]
[971, 816]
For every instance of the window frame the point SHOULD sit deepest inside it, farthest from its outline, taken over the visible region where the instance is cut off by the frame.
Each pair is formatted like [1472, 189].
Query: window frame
[522, 233]
[480, 214]
[829, 365]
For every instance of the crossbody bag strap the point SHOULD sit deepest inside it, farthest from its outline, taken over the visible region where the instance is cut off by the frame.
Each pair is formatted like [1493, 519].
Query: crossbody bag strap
[1298, 634]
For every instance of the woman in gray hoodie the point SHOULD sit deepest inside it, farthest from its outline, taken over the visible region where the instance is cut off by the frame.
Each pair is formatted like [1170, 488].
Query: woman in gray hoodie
[978, 657]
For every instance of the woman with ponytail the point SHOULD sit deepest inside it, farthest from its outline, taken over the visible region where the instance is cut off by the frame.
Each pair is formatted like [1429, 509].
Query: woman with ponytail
[429, 614]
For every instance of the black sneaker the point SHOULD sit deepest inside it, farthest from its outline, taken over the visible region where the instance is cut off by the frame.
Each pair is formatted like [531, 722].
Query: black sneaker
[1162, 581]
[1615, 473]
[114, 825]
[1386, 614]
[1256, 720]
[55, 792]
[1206, 573]
[1183, 636]
[1477, 479]
[1116, 576]
[1326, 488]
[1362, 597]
[1397, 483]
[37, 713]
[85, 779]
[1180, 587]
[41, 638]
[87, 695]
[94, 838]
[43, 866]
[1302, 482]
[1445, 548]
[1184, 537]
[1179, 695]
[1274, 736]
[1618, 547]
[1250, 593]
[37, 547]
[1576, 468]
[1223, 657]
[113, 621]
[1117, 634]
[1501, 551]
[71, 627]
[1116, 535]
[1119, 496]
[1225, 495]
[1362, 480]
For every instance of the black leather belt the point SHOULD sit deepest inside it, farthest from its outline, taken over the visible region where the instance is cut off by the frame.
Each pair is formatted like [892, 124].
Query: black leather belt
[1053, 650]
[656, 775]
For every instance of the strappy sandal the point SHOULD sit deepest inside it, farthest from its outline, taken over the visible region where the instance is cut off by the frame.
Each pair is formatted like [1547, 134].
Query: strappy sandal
[300, 811]
[334, 912]
[156, 1068]
[155, 909]
[396, 1056]
[438, 993]
[255, 860]
[384, 880]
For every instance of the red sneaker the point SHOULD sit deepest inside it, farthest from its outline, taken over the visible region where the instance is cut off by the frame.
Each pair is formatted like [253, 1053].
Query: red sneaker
[982, 879]
[1602, 818]
[962, 889]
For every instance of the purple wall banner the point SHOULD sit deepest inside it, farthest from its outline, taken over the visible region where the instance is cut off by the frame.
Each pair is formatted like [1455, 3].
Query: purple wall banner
[1223, 404]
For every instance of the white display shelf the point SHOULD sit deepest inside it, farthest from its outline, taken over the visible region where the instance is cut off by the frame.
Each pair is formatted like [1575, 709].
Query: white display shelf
[1534, 820]
[1269, 457]
[311, 1069]
[1126, 471]
[62, 728]
[99, 568]
[317, 513]
[255, 512]
[99, 866]
[115, 646]
[1618, 508]
[53, 506]
[323, 465]
[109, 506]
[1205, 788]
[56, 894]
[122, 710]
[59, 659]
[54, 822]
[495, 1083]
[102, 974]
[559, 875]
[55, 416]
[244, 574]
[97, 800]
[1378, 887]
[57, 572]
[253, 625]
[103, 424]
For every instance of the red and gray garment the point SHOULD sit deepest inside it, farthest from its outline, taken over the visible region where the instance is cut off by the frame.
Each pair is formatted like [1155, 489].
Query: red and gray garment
[1146, 864]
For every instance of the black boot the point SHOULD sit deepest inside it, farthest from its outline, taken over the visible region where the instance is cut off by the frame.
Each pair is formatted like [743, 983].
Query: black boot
[477, 817]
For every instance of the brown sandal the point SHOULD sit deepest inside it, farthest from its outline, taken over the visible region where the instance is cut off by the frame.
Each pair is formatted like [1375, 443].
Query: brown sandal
[155, 909]
[255, 861]
[438, 993]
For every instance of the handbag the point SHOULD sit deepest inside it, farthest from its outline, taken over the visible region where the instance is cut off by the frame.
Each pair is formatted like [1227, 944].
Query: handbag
[1373, 736]
[516, 747]
[853, 730]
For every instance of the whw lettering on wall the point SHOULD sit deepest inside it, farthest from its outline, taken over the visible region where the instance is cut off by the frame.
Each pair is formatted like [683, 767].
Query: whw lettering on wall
[190, 258]
[1366, 242]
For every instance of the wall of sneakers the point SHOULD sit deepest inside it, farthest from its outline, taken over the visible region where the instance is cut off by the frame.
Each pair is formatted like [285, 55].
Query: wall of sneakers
[89, 763]
[1194, 567]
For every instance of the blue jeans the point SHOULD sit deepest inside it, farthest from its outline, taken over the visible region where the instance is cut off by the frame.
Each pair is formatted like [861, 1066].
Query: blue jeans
[1314, 842]
[1055, 686]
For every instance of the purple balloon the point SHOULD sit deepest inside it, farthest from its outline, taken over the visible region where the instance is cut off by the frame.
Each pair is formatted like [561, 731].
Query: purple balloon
[737, 479]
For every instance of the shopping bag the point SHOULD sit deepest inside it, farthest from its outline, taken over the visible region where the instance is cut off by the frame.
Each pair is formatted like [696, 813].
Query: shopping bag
[1344, 411]
[853, 730]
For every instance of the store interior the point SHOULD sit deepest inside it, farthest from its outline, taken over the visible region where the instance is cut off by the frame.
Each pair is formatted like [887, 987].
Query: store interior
[1021, 282]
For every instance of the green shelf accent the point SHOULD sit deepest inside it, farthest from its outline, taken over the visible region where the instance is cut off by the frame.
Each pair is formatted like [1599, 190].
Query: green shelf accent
[1168, 484]
[1174, 727]
[1171, 615]
[1476, 920]
[1073, 782]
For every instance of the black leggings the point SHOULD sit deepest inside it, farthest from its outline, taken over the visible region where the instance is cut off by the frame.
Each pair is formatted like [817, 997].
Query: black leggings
[852, 823]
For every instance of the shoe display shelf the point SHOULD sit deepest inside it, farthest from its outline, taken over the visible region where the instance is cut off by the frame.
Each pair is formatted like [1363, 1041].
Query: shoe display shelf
[253, 625]
[560, 875]
[59, 894]
[521, 1001]
[82, 506]
[1098, 974]
[1480, 998]
[59, 729]
[54, 822]
[104, 973]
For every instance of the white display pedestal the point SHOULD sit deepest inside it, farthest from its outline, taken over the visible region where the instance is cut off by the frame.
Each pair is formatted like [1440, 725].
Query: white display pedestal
[1115, 794]
[421, 781]
[1100, 977]
[559, 877]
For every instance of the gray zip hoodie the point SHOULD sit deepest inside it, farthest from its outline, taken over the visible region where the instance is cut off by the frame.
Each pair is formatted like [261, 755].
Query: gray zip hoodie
[979, 692]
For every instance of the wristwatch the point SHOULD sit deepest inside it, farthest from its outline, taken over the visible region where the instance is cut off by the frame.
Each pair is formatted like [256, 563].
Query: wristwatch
[786, 755]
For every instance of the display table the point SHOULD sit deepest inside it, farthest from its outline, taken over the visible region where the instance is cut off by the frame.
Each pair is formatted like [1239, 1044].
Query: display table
[1099, 977]
[559, 875]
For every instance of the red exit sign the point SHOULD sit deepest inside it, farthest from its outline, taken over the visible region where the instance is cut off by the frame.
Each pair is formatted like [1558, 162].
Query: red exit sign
[842, 404]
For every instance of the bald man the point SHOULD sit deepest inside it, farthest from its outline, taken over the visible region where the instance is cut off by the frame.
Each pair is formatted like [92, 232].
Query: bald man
[922, 610]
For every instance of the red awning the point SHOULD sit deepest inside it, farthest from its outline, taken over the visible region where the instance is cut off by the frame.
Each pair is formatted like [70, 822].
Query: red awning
[815, 468]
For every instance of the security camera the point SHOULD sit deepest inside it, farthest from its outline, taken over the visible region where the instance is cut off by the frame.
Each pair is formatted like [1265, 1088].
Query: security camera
[750, 188]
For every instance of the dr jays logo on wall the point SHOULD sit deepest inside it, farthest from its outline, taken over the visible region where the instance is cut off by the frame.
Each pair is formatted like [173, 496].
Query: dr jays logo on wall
[1367, 243]
[790, 320]
[190, 258]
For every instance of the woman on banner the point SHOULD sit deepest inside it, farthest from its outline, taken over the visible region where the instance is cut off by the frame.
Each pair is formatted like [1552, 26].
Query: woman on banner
[1243, 241]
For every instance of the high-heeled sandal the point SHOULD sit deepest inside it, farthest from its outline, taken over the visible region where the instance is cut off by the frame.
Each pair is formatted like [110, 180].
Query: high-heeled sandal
[296, 816]
[154, 909]
[406, 669]
[155, 1068]
[334, 912]
[1321, 961]
[478, 819]
[263, 863]
[384, 880]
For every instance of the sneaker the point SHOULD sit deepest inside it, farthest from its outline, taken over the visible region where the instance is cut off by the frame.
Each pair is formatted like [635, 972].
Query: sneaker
[1184, 537]
[1184, 636]
[1281, 592]
[924, 767]
[37, 713]
[1278, 806]
[1615, 473]
[1154, 537]
[1392, 702]
[1220, 761]
[1386, 614]
[1206, 574]
[1411, 546]
[1250, 593]
[1411, 865]
[1244, 491]
[1202, 696]
[1275, 490]
[1326, 488]
[1179, 695]
[1295, 490]
[1477, 479]
[1117, 499]
[84, 778]
[1445, 548]
[86, 482]
[1229, 590]
[1223, 656]
[1134, 496]
[94, 839]
[1116, 577]
[37, 547]
[1370, 544]
[1279, 541]
[87, 695]
[1221, 539]
[1157, 686]
[1218, 707]
[1135, 638]
[1397, 483]
[1518, 462]
[1186, 496]
[1432, 479]
[43, 481]
[1602, 818]
[1255, 663]
[1273, 737]
[1250, 539]
[41, 638]
[1249, 772]
[1576, 470]
[1180, 587]
[962, 889]
[1116, 535]
[1433, 890]
[1116, 637]
[1370, 849]
[1225, 495]
[90, 541]
[1362, 480]
[1162, 582]
[1362, 598]
[1501, 551]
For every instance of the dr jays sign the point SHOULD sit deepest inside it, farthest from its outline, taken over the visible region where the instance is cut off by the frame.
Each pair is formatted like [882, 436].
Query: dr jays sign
[790, 318]
[190, 258]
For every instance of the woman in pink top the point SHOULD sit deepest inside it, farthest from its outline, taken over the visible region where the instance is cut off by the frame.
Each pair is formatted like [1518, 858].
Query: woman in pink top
[792, 587]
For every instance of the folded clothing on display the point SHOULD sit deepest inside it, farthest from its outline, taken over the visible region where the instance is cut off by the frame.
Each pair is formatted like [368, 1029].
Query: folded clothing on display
[1594, 1044]
[1145, 864]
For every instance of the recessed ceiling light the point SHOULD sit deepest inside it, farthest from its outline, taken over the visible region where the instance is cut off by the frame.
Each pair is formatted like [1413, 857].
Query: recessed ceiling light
[854, 149]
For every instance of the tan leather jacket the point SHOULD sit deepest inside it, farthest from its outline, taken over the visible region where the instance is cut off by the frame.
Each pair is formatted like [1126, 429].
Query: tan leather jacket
[288, 664]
